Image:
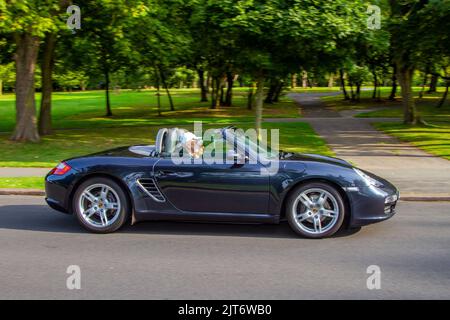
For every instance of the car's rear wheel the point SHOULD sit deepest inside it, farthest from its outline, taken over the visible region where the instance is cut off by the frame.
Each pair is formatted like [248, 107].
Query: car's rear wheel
[315, 210]
[100, 205]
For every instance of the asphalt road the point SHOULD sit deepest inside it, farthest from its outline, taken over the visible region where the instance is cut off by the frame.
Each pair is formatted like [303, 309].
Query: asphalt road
[162, 260]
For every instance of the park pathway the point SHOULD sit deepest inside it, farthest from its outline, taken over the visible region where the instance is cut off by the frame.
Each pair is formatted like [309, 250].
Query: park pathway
[413, 171]
[23, 172]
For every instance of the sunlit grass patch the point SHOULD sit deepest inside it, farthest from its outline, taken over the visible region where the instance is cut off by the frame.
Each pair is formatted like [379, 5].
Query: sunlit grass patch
[433, 139]
[22, 183]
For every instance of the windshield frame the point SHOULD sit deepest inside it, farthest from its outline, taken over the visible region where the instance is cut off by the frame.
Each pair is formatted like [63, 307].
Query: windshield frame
[256, 152]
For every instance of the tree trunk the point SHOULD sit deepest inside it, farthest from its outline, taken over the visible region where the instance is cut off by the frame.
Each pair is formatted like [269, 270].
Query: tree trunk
[222, 95]
[218, 89]
[27, 47]
[375, 84]
[259, 103]
[394, 84]
[344, 91]
[433, 84]
[229, 94]
[276, 97]
[163, 79]
[203, 89]
[47, 63]
[352, 93]
[213, 94]
[158, 91]
[305, 79]
[215, 98]
[405, 75]
[331, 81]
[271, 92]
[251, 96]
[424, 83]
[108, 103]
[358, 91]
[208, 82]
[444, 97]
[294, 81]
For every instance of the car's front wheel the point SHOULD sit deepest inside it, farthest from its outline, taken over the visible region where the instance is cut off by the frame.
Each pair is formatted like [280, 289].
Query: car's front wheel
[315, 210]
[100, 205]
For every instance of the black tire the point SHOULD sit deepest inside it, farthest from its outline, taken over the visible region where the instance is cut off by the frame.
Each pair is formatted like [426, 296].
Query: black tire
[291, 213]
[122, 215]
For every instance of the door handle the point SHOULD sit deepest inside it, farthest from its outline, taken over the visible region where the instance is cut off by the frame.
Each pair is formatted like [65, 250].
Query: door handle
[165, 173]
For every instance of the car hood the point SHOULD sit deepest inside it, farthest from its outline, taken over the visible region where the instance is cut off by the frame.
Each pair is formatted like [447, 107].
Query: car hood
[292, 156]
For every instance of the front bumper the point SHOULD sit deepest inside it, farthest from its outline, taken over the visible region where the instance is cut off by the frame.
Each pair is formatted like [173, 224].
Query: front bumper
[370, 205]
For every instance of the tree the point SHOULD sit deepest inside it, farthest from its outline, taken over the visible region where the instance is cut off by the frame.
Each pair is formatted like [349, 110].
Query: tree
[47, 64]
[276, 37]
[45, 118]
[160, 39]
[27, 22]
[435, 18]
[406, 35]
[102, 45]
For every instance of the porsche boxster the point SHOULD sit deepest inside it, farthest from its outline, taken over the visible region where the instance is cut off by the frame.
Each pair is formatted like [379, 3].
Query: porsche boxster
[317, 195]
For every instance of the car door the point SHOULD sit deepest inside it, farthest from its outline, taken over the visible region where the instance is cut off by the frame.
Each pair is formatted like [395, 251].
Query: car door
[214, 188]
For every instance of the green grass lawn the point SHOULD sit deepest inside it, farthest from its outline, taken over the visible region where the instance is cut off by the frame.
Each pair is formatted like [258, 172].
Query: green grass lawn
[139, 108]
[296, 137]
[393, 109]
[64, 144]
[432, 139]
[22, 182]
[81, 128]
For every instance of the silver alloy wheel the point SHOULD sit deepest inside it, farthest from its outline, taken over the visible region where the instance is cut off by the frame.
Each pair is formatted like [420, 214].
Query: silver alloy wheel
[99, 205]
[315, 211]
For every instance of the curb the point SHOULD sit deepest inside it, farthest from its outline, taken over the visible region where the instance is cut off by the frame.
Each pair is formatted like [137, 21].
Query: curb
[22, 192]
[37, 192]
[424, 198]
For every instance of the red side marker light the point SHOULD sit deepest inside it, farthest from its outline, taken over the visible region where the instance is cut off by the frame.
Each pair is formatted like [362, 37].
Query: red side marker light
[60, 169]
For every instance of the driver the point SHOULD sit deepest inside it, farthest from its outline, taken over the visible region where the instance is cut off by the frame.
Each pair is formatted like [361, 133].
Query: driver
[192, 144]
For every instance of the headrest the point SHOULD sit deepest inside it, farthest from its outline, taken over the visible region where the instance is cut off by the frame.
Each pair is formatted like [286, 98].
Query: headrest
[171, 140]
[160, 140]
[167, 140]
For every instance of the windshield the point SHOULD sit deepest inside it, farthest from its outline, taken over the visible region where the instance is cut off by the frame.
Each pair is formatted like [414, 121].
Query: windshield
[251, 144]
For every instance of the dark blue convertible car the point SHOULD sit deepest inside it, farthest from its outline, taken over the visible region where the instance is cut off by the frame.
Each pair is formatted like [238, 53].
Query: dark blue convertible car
[317, 195]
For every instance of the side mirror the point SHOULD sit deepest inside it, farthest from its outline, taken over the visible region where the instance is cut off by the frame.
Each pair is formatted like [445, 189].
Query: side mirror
[236, 157]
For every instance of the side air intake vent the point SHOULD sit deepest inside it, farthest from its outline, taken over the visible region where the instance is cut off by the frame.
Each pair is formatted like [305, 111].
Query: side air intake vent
[149, 186]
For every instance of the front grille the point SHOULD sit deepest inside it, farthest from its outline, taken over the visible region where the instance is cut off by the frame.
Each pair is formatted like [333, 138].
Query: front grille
[149, 186]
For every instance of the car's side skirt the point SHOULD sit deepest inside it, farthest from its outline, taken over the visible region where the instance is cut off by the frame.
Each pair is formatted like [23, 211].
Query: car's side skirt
[207, 216]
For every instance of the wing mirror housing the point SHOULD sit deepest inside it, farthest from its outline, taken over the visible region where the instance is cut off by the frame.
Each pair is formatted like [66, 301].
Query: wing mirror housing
[237, 157]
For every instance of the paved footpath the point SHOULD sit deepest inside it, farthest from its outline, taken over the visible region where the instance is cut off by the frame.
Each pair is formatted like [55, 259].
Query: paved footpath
[414, 171]
[23, 172]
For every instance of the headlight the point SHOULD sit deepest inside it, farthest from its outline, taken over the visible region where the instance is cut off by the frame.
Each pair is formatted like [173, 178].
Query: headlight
[391, 199]
[368, 179]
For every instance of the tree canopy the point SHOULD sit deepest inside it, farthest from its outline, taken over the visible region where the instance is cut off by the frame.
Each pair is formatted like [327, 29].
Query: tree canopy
[212, 43]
